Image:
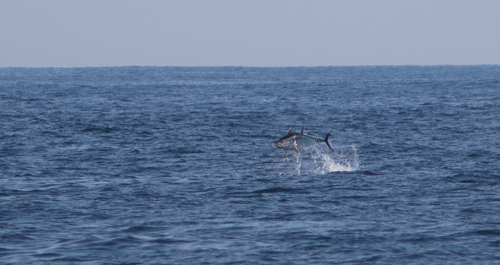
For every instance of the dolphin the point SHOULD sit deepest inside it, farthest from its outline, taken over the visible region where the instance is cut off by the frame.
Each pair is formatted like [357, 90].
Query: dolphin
[296, 141]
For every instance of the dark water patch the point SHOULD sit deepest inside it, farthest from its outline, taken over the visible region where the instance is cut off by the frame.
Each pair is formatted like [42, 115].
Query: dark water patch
[368, 173]
[355, 197]
[15, 238]
[279, 190]
[169, 241]
[99, 129]
[185, 150]
[468, 181]
[495, 243]
[6, 251]
[141, 229]
[471, 210]
[487, 232]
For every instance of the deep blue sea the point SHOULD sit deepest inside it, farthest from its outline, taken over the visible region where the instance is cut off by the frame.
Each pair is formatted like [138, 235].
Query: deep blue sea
[173, 165]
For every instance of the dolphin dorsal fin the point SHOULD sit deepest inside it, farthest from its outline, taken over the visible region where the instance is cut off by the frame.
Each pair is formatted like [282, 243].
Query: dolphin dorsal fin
[302, 131]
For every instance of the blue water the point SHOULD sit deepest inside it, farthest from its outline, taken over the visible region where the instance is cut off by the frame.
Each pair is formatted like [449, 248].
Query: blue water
[166, 165]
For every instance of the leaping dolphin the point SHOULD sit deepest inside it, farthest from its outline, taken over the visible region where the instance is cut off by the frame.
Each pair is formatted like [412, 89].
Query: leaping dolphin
[296, 141]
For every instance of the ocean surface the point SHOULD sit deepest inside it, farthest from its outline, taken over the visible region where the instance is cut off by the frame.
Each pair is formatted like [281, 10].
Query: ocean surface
[172, 165]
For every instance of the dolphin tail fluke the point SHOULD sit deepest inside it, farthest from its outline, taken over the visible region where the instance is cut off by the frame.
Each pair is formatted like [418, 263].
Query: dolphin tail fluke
[326, 141]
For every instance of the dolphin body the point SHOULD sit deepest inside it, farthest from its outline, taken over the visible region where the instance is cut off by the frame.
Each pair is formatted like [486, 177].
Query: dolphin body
[296, 141]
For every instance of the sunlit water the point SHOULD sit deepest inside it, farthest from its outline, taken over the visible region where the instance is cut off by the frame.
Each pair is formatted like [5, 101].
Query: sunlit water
[166, 165]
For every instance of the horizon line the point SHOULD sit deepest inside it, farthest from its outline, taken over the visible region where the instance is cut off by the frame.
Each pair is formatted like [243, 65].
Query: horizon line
[245, 66]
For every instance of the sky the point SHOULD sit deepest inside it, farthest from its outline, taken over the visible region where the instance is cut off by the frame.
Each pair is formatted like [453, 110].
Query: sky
[269, 33]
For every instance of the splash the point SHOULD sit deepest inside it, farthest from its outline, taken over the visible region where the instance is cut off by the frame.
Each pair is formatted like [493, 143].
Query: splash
[317, 160]
[340, 160]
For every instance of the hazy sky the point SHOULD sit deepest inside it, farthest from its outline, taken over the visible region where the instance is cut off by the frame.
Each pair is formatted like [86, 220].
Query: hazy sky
[67, 33]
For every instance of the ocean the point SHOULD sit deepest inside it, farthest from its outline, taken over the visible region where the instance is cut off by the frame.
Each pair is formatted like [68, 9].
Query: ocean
[177, 165]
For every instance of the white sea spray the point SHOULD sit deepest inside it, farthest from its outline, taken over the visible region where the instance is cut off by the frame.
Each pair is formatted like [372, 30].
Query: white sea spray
[317, 160]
